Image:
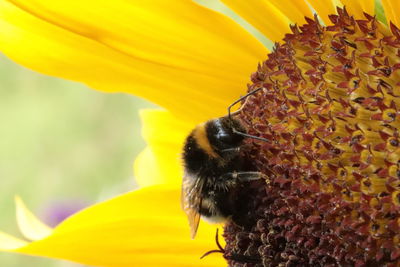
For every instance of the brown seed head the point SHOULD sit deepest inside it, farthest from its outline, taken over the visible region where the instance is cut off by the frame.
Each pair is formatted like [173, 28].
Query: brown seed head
[330, 108]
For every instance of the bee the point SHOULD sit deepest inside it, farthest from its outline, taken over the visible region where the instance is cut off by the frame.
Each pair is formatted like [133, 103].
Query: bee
[214, 169]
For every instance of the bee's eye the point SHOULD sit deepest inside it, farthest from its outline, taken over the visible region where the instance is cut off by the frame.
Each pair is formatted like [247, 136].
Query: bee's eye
[224, 137]
[221, 134]
[228, 138]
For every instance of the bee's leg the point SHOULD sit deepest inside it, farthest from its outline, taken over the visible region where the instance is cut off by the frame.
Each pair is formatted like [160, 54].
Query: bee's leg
[249, 176]
[244, 176]
[247, 187]
[231, 150]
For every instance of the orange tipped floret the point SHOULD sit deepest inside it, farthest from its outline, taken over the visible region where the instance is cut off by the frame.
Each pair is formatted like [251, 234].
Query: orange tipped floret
[331, 110]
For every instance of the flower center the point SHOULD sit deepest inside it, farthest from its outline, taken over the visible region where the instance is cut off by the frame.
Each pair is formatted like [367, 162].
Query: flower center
[329, 107]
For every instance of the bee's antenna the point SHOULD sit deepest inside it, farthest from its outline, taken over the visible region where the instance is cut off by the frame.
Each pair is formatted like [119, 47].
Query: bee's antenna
[220, 250]
[241, 98]
[233, 256]
[217, 241]
[230, 115]
[251, 136]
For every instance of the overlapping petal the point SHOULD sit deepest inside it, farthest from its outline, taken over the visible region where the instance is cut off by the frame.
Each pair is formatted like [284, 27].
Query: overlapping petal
[273, 25]
[323, 8]
[272, 18]
[295, 10]
[174, 53]
[357, 8]
[160, 162]
[392, 9]
[141, 228]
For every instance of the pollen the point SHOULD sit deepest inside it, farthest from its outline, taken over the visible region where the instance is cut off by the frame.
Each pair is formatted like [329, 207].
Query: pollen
[330, 108]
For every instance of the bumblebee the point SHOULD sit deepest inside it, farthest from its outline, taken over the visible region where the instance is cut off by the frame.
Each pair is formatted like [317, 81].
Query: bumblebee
[214, 170]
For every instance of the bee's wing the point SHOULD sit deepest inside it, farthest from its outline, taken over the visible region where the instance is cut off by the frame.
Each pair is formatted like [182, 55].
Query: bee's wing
[191, 201]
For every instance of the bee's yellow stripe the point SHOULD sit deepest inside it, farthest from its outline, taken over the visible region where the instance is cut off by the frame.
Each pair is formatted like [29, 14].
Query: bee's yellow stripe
[200, 135]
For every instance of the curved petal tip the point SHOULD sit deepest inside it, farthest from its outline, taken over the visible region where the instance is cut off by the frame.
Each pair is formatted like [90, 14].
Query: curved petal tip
[9, 243]
[30, 226]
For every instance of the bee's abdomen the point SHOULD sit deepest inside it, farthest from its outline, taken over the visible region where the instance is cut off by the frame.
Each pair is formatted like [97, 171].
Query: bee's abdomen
[218, 202]
[211, 211]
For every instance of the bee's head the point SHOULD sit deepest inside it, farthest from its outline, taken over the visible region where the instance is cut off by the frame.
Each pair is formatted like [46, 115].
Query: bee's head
[222, 133]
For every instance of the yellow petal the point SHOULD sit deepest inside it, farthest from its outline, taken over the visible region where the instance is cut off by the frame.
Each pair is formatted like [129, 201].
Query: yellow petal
[295, 10]
[145, 169]
[8, 242]
[356, 8]
[262, 15]
[392, 9]
[323, 9]
[141, 228]
[29, 225]
[175, 53]
[161, 161]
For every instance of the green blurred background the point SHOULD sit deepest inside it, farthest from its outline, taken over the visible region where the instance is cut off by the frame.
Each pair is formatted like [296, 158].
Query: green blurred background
[63, 146]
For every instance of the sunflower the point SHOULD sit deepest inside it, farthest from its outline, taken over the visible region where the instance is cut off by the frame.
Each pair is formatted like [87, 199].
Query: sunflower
[194, 62]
